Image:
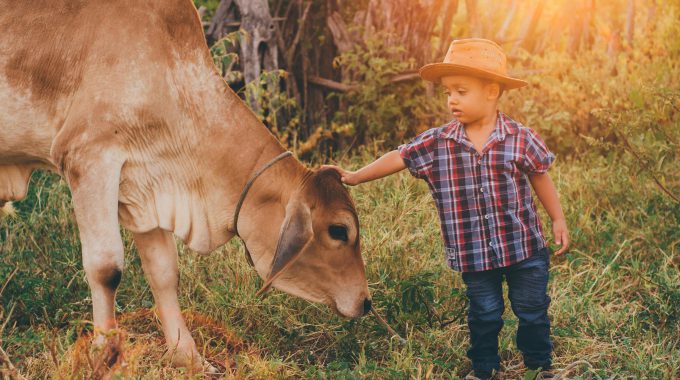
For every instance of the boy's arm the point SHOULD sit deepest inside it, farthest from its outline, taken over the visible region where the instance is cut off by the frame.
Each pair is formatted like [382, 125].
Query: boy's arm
[388, 164]
[545, 190]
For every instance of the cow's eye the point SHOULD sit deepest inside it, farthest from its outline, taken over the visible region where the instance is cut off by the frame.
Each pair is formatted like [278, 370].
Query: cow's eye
[338, 232]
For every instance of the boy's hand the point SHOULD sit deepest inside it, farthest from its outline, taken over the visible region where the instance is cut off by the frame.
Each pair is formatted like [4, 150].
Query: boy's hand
[347, 177]
[387, 164]
[561, 235]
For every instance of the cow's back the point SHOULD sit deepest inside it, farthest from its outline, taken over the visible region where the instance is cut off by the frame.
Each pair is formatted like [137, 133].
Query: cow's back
[65, 56]
[39, 68]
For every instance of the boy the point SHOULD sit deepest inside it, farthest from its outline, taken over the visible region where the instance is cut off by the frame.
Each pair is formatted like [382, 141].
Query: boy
[479, 168]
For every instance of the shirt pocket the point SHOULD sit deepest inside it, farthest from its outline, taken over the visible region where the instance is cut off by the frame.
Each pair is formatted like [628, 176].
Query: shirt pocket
[504, 173]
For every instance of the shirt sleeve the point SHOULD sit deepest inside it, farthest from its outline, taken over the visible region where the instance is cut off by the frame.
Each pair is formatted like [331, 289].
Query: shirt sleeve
[418, 154]
[537, 158]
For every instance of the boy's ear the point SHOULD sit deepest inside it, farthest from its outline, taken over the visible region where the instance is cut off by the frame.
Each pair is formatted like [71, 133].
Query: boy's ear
[494, 90]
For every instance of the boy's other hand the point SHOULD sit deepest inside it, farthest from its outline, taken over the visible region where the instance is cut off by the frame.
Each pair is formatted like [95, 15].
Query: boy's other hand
[347, 177]
[561, 234]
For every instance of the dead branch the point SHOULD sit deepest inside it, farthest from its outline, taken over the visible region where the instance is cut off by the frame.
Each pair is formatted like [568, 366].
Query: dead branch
[392, 332]
[11, 372]
[293, 46]
[343, 87]
[331, 84]
[644, 166]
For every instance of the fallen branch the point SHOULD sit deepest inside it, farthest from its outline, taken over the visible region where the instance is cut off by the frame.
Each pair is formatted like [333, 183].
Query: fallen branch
[386, 326]
[405, 77]
[344, 87]
[331, 84]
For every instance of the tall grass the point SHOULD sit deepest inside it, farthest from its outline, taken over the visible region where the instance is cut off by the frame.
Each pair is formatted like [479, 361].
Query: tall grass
[615, 308]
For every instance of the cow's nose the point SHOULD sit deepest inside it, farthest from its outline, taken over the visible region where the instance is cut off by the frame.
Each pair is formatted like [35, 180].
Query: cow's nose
[367, 306]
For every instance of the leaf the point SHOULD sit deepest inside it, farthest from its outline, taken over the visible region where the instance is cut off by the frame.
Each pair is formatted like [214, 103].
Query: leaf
[637, 98]
[530, 374]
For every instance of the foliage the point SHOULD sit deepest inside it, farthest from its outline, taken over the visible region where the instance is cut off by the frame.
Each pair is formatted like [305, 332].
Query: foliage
[225, 57]
[377, 108]
[649, 132]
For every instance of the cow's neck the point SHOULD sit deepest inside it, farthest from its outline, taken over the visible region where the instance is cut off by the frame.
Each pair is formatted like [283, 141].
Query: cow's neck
[237, 145]
[189, 176]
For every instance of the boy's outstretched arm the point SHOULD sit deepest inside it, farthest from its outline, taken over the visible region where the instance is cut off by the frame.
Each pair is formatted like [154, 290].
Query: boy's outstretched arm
[387, 164]
[545, 190]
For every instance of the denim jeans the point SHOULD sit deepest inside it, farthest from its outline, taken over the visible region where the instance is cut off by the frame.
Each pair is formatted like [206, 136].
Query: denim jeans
[527, 291]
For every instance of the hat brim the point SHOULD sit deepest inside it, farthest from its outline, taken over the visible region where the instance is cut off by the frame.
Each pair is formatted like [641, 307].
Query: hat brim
[435, 71]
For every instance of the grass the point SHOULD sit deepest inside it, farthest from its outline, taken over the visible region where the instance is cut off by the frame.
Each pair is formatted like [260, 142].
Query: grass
[615, 296]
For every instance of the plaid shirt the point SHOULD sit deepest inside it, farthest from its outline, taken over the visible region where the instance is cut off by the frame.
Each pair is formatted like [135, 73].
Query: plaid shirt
[487, 213]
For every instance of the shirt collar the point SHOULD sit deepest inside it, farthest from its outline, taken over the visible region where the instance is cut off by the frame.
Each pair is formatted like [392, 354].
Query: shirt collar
[504, 126]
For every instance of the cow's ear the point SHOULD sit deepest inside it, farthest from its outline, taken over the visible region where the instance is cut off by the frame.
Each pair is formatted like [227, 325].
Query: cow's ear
[296, 232]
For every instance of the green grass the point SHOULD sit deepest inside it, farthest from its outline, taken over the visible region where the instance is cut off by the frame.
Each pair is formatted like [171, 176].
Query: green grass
[615, 308]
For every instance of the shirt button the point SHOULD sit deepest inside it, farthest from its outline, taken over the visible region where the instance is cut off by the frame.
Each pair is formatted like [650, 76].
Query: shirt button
[481, 189]
[491, 243]
[479, 162]
[486, 216]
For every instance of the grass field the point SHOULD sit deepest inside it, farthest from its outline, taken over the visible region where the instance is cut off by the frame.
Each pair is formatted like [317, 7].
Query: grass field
[615, 297]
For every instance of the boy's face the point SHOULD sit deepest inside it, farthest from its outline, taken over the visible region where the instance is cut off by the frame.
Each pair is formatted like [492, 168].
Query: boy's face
[470, 98]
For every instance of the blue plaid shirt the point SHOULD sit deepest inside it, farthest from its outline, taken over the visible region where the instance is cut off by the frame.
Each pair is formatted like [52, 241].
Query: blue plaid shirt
[486, 209]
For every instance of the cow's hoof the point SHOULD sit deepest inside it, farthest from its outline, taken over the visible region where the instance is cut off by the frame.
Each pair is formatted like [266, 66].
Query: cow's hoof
[108, 353]
[195, 363]
[6, 209]
[210, 370]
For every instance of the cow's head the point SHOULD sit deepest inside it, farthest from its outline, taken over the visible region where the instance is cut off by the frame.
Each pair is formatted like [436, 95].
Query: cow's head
[317, 255]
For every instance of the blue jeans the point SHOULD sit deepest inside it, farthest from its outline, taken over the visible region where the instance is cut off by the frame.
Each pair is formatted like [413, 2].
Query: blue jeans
[527, 287]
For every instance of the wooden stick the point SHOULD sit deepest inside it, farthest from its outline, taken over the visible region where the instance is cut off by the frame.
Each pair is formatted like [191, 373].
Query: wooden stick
[331, 84]
[12, 373]
[568, 368]
[343, 87]
[389, 329]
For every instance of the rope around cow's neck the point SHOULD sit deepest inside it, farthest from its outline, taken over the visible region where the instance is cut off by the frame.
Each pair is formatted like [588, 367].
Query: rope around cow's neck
[249, 184]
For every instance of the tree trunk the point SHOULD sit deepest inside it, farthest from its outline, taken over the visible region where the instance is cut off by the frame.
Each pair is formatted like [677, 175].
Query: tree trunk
[528, 30]
[258, 47]
[473, 18]
[651, 18]
[258, 44]
[224, 15]
[630, 23]
[577, 13]
[501, 34]
[451, 8]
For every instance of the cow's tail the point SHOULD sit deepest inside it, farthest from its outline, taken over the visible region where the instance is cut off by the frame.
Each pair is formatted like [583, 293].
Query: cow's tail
[6, 210]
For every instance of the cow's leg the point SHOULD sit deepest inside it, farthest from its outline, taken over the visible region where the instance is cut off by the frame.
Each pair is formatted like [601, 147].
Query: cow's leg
[94, 187]
[158, 252]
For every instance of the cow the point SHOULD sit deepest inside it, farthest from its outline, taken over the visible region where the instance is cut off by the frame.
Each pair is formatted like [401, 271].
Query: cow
[123, 101]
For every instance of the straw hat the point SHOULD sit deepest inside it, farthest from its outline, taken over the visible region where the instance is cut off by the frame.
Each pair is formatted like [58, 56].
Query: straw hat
[475, 57]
